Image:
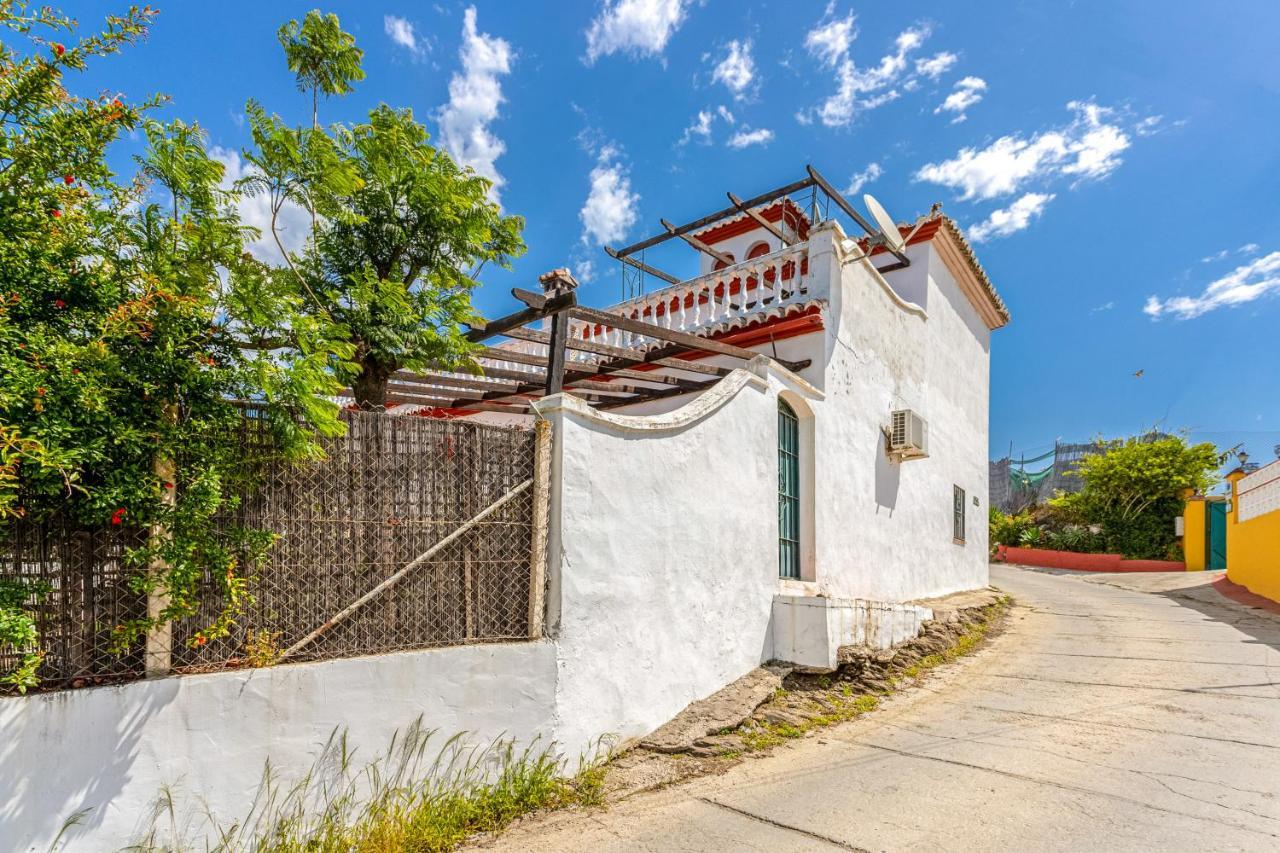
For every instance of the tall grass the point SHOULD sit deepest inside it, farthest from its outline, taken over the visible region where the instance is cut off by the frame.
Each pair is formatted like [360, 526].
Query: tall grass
[411, 798]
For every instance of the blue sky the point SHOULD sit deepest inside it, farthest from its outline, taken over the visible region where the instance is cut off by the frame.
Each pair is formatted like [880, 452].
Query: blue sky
[1115, 162]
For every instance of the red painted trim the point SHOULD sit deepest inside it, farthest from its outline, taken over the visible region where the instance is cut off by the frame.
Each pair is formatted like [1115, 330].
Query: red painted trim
[1241, 595]
[772, 213]
[1048, 559]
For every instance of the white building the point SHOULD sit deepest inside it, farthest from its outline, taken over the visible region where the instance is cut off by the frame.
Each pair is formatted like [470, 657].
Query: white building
[691, 537]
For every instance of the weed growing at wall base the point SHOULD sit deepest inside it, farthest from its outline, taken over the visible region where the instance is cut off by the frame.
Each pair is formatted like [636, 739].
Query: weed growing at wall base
[419, 795]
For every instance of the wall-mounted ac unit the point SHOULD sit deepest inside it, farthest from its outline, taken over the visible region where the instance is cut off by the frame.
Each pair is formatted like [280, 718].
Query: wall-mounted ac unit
[908, 435]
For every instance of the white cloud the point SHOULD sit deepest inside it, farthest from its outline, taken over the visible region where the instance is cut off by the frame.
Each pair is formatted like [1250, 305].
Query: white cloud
[1254, 280]
[737, 71]
[293, 222]
[967, 92]
[859, 89]
[636, 27]
[744, 138]
[1216, 256]
[1011, 219]
[830, 41]
[402, 33]
[610, 208]
[1249, 249]
[1106, 306]
[1087, 148]
[474, 96]
[935, 66]
[700, 130]
[861, 179]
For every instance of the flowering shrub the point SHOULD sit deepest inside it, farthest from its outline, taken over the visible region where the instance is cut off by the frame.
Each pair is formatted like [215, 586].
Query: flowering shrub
[118, 308]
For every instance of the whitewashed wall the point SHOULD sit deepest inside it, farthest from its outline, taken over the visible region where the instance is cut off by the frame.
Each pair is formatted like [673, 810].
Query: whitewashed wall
[114, 749]
[884, 528]
[664, 551]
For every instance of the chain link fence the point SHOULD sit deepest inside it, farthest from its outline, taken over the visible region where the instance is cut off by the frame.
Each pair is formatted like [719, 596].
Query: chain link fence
[410, 533]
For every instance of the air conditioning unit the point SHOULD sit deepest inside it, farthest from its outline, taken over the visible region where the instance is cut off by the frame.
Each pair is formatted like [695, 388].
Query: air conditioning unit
[908, 436]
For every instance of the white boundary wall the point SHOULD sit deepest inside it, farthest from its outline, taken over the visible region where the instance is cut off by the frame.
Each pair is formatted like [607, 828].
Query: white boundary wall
[113, 749]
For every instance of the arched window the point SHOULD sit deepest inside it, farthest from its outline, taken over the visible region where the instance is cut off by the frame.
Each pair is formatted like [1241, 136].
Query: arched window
[788, 491]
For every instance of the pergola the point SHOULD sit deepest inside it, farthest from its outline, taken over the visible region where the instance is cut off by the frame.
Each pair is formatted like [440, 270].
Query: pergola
[605, 375]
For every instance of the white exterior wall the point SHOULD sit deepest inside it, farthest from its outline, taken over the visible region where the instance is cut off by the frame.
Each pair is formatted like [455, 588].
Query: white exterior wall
[114, 749]
[664, 550]
[884, 528]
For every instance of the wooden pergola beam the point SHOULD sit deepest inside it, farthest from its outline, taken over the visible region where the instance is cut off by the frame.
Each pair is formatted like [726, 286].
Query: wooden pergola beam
[552, 306]
[642, 266]
[844, 205]
[633, 355]
[698, 244]
[754, 201]
[760, 220]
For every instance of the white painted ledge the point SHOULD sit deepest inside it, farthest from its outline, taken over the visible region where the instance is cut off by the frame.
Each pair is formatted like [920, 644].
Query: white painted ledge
[848, 248]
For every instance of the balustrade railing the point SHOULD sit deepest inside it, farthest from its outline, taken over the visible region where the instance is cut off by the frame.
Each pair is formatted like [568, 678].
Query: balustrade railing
[777, 279]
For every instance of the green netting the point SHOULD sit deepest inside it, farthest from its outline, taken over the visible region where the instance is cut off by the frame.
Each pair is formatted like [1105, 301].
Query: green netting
[1027, 479]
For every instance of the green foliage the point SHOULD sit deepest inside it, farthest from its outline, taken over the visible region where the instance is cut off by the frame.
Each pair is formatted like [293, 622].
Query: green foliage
[120, 310]
[405, 799]
[324, 58]
[18, 630]
[1133, 490]
[396, 224]
[1007, 529]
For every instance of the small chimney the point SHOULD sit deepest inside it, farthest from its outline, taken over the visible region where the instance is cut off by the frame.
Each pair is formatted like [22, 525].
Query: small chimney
[557, 282]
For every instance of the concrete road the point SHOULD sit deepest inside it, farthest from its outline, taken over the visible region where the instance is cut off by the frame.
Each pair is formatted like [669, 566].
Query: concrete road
[1115, 713]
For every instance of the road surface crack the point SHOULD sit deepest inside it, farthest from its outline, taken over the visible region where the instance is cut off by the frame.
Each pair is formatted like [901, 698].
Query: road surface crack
[835, 842]
[1064, 786]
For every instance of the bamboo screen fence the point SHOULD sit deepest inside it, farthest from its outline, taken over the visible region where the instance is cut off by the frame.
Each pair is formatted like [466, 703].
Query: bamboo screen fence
[411, 533]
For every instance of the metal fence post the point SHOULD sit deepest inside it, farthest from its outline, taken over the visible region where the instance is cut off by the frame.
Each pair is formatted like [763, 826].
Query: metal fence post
[540, 519]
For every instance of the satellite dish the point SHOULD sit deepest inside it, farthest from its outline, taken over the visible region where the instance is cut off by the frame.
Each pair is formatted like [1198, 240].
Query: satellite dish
[888, 228]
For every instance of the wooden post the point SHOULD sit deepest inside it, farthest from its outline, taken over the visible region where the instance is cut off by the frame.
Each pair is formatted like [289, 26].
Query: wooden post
[158, 656]
[541, 518]
[556, 284]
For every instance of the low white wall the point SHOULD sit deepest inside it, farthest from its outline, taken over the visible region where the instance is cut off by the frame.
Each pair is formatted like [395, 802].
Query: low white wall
[114, 749]
[809, 631]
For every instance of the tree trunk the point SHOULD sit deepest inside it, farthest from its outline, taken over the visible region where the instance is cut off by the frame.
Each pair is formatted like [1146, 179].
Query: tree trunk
[370, 386]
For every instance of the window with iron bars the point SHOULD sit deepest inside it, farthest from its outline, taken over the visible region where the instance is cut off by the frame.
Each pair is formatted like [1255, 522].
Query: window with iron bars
[957, 520]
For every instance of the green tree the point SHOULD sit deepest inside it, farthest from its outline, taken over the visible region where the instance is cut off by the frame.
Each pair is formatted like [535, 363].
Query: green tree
[1134, 489]
[324, 58]
[397, 226]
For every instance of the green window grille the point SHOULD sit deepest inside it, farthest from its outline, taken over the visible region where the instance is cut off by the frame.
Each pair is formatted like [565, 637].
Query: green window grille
[957, 520]
[788, 492]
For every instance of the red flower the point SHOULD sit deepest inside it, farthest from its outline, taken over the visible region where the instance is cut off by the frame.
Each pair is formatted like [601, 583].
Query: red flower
[118, 516]
[68, 179]
[59, 49]
[75, 371]
[168, 485]
[57, 214]
[200, 641]
[58, 303]
[40, 391]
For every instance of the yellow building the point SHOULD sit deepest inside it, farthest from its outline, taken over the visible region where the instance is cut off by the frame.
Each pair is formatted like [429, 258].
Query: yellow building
[1253, 530]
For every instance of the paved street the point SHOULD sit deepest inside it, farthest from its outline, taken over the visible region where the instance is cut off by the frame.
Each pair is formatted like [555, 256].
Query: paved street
[1115, 713]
